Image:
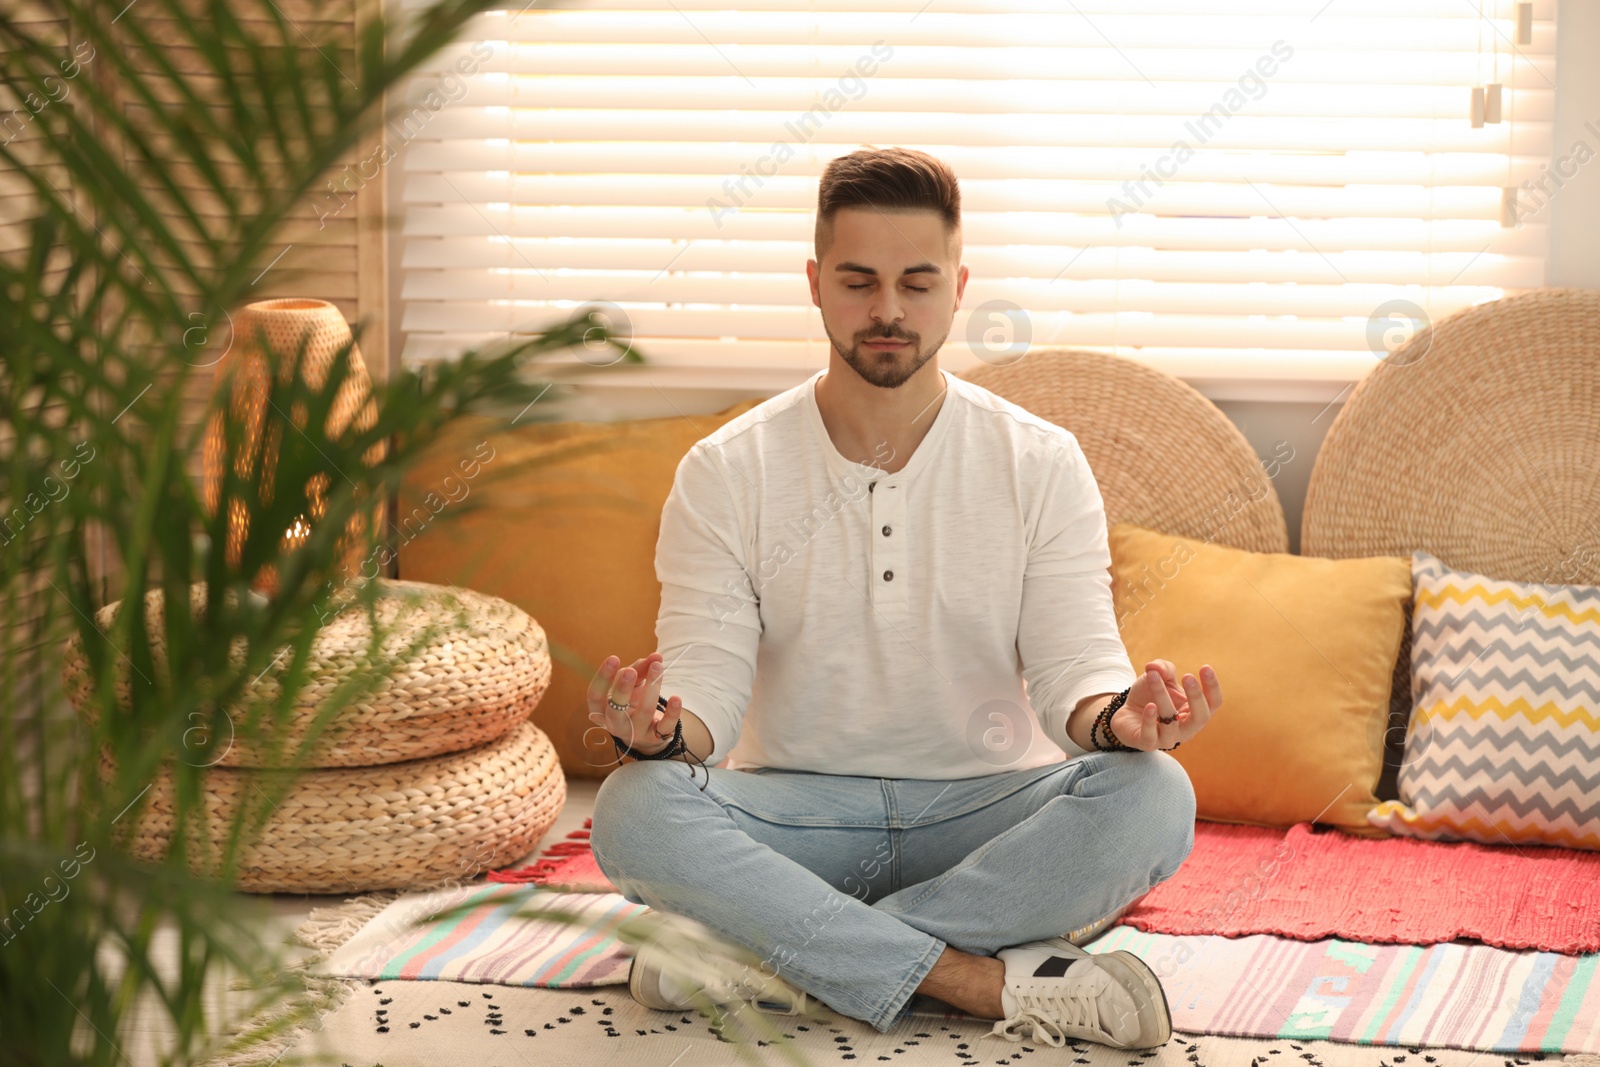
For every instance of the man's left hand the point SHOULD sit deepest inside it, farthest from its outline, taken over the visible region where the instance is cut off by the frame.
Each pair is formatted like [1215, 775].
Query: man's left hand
[1159, 694]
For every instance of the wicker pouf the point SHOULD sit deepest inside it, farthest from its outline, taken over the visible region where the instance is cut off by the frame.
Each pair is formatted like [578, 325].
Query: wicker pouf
[399, 825]
[480, 675]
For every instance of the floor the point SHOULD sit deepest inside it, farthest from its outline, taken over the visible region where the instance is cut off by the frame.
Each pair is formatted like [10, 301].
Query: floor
[150, 1032]
[281, 915]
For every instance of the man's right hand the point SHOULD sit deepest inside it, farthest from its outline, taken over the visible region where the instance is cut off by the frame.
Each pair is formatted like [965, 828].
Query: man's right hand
[639, 686]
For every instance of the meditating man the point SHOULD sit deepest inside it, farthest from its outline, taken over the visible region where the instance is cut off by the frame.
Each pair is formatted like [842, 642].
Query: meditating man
[885, 597]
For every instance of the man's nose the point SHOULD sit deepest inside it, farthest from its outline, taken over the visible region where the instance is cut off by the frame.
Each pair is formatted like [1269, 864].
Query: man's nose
[888, 311]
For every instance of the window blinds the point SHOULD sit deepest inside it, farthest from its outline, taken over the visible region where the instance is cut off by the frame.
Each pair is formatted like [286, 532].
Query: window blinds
[1260, 190]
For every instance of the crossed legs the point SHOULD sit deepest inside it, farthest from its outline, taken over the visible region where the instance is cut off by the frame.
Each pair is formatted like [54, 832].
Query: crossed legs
[863, 891]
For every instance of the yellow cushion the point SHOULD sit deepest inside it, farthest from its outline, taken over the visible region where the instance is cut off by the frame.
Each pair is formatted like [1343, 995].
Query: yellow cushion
[1304, 649]
[560, 519]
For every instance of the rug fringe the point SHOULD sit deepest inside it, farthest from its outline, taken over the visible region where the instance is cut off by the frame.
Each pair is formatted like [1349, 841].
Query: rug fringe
[326, 929]
[254, 1043]
[320, 997]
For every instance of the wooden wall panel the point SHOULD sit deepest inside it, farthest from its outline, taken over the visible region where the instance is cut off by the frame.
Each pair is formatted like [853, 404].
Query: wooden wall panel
[332, 247]
[19, 207]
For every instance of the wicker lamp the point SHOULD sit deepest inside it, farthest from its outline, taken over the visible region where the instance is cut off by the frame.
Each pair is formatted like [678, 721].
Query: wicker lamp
[286, 322]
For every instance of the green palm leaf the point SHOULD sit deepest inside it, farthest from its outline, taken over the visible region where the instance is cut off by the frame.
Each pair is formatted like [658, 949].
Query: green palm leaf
[161, 189]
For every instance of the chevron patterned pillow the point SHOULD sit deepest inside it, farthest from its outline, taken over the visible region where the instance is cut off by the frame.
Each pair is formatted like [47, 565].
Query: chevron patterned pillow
[1504, 740]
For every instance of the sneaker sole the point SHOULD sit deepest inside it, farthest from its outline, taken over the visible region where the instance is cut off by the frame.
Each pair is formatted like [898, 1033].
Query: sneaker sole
[1126, 965]
[637, 932]
[636, 990]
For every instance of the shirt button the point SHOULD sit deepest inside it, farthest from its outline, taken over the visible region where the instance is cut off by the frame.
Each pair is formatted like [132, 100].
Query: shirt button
[888, 576]
[886, 531]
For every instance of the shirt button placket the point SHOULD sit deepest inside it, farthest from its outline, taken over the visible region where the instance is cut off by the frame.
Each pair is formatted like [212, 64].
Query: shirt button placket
[889, 562]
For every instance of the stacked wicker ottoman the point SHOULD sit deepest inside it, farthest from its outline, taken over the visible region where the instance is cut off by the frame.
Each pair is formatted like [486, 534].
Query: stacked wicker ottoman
[434, 776]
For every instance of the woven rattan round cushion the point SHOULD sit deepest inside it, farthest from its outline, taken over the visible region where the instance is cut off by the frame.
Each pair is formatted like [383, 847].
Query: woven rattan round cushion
[396, 826]
[481, 673]
[1477, 440]
[1164, 456]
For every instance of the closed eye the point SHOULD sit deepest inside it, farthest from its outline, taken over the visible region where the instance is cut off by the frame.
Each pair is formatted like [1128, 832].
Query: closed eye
[913, 288]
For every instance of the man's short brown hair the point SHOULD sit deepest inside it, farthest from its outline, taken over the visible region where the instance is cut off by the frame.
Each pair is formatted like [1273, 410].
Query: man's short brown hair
[889, 178]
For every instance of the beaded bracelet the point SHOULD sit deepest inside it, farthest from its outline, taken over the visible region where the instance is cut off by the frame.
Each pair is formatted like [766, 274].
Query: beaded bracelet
[1103, 721]
[675, 747]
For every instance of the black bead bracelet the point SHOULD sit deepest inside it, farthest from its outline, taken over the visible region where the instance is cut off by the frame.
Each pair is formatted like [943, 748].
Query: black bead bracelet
[1102, 721]
[675, 746]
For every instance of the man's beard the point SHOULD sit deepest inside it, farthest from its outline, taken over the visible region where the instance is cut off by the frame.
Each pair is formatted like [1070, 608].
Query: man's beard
[886, 369]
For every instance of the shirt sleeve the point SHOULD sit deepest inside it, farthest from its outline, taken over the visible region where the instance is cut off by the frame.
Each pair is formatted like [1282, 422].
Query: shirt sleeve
[709, 624]
[1067, 637]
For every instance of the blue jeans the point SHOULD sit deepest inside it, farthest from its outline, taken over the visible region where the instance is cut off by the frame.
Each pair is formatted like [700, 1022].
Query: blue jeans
[850, 887]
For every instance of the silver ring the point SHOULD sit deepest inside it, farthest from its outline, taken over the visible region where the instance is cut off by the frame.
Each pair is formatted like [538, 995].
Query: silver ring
[615, 706]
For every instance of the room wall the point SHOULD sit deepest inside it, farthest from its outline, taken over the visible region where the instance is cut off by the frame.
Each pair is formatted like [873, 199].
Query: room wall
[1575, 222]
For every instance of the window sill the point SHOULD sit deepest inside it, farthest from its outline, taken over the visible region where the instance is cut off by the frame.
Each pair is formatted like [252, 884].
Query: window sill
[1321, 379]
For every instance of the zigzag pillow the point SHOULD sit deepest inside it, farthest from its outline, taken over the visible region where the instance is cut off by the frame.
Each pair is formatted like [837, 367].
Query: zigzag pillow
[1504, 740]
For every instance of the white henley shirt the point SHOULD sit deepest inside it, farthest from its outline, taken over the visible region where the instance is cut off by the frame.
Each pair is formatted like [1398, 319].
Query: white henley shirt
[939, 622]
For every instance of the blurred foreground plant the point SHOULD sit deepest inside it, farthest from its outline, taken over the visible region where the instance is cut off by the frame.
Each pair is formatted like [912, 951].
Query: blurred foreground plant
[157, 188]
[739, 1022]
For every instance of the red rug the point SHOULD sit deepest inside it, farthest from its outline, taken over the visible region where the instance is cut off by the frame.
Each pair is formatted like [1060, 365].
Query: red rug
[566, 865]
[1310, 886]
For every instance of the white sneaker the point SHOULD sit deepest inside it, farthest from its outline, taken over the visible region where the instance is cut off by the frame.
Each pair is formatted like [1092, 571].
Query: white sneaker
[1061, 992]
[679, 963]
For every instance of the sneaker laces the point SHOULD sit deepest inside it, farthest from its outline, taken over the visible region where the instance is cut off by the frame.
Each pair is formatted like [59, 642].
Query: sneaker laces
[1047, 1008]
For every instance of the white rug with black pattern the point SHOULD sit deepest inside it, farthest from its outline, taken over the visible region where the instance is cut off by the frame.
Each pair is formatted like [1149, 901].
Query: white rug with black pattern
[434, 1023]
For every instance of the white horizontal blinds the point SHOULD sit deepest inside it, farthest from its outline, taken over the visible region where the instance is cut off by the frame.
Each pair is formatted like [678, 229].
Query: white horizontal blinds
[1227, 191]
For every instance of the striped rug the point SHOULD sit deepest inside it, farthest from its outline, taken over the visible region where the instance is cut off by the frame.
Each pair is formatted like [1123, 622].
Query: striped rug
[489, 941]
[1452, 995]
[1449, 995]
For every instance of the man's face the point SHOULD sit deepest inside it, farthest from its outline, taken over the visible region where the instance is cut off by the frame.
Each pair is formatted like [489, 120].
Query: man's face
[888, 276]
